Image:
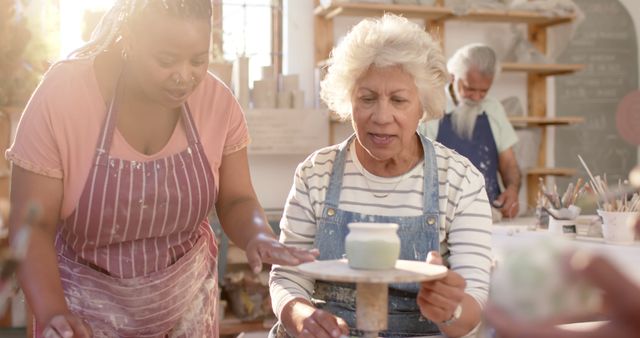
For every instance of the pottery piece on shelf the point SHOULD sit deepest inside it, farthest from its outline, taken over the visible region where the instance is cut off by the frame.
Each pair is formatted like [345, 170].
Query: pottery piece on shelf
[240, 81]
[284, 100]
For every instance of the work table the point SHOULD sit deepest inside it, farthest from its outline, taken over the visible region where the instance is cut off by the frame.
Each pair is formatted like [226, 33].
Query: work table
[517, 232]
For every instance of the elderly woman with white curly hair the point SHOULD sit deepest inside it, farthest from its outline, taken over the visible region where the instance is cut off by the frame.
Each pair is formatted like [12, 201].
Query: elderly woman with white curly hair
[387, 75]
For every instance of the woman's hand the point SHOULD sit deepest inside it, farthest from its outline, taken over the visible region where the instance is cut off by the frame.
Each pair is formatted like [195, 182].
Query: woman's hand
[438, 299]
[304, 320]
[322, 324]
[266, 249]
[66, 326]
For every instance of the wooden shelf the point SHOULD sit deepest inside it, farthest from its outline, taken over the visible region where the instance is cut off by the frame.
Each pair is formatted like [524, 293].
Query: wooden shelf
[551, 171]
[513, 16]
[375, 9]
[434, 18]
[440, 13]
[542, 69]
[541, 121]
[517, 120]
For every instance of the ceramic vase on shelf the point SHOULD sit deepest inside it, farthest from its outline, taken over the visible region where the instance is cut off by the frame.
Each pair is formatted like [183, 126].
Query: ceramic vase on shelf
[289, 83]
[297, 99]
[264, 94]
[372, 246]
[284, 100]
[240, 81]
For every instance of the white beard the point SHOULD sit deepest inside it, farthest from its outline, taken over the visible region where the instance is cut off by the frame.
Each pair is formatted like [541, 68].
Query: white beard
[463, 118]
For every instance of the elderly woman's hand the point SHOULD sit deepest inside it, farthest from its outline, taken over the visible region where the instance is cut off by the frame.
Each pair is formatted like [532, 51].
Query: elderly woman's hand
[439, 299]
[266, 249]
[302, 319]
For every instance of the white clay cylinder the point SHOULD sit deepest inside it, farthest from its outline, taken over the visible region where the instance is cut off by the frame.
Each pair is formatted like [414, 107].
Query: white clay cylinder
[372, 246]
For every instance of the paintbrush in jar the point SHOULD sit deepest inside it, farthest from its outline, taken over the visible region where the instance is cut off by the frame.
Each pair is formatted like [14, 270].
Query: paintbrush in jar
[566, 197]
[576, 191]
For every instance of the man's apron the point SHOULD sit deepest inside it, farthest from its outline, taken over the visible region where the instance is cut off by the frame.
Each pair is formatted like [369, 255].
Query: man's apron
[481, 150]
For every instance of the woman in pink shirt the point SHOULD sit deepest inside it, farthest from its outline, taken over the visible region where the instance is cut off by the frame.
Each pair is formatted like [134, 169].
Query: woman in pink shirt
[126, 148]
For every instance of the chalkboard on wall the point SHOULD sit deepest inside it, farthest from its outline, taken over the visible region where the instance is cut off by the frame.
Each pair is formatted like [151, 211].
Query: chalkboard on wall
[606, 43]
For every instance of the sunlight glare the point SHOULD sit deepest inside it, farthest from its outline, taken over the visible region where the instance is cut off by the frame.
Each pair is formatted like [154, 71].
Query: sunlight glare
[71, 21]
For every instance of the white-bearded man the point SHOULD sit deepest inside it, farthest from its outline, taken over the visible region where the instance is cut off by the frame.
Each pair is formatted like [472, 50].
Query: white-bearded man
[476, 126]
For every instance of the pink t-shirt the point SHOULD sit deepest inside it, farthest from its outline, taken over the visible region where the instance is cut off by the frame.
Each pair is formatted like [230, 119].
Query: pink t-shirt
[58, 131]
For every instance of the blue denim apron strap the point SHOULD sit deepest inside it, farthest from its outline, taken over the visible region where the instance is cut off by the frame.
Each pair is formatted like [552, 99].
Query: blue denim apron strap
[418, 235]
[481, 149]
[430, 184]
[332, 198]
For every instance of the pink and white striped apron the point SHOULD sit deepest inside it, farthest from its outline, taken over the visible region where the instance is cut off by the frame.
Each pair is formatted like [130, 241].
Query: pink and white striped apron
[137, 257]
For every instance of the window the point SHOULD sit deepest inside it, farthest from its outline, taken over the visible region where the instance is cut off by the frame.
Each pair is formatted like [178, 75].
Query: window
[250, 28]
[242, 27]
[76, 21]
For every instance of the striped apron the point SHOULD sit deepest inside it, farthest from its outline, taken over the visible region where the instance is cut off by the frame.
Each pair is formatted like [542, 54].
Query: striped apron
[137, 257]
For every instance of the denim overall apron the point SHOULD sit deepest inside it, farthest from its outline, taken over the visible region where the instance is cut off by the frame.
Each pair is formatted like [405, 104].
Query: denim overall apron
[418, 235]
[481, 149]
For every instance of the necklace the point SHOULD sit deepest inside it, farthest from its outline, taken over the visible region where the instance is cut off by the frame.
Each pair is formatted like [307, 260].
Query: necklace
[364, 172]
[377, 193]
[385, 193]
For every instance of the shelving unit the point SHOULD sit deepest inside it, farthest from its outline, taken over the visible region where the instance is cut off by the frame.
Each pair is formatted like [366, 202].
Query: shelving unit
[552, 171]
[434, 18]
[512, 16]
[235, 260]
[374, 9]
[437, 12]
[540, 121]
[541, 69]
